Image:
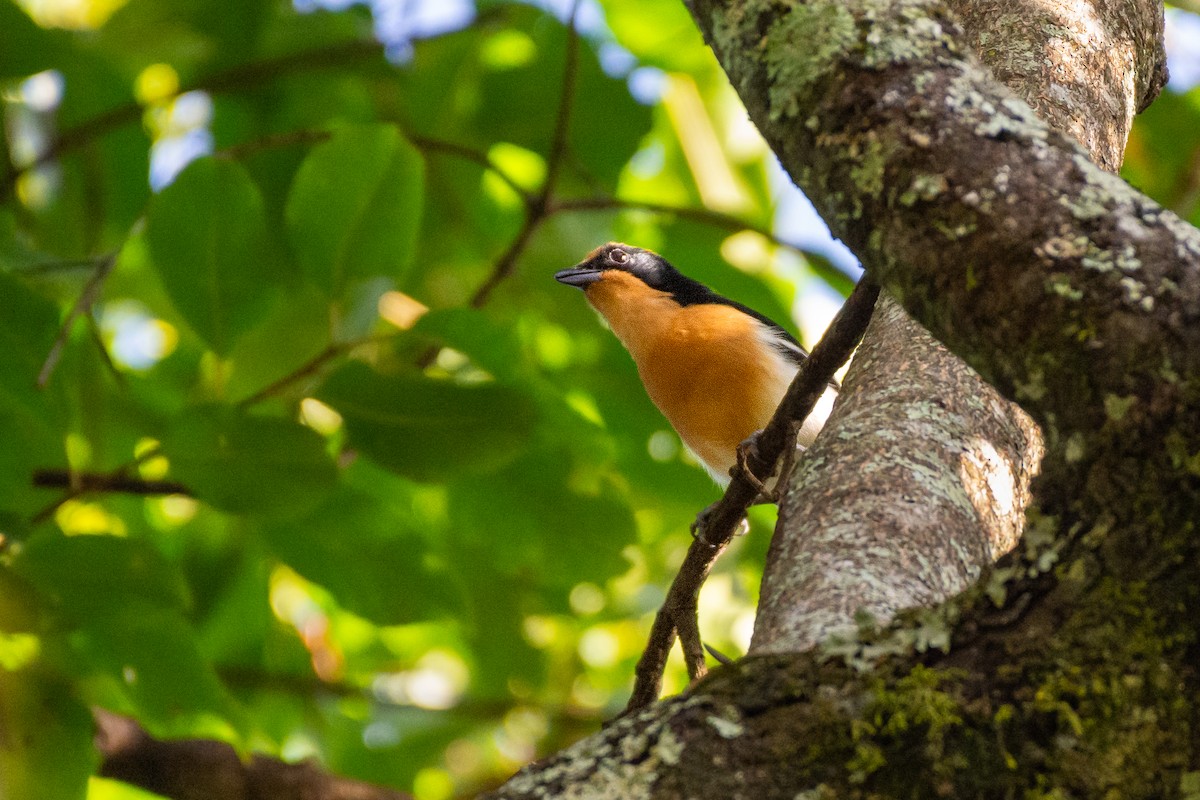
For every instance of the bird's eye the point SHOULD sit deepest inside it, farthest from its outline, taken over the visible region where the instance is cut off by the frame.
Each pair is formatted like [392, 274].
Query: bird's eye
[618, 256]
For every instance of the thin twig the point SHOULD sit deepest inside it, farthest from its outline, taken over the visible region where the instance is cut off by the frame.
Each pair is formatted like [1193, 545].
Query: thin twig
[105, 356]
[48, 510]
[76, 489]
[707, 216]
[275, 140]
[305, 136]
[104, 482]
[51, 267]
[308, 368]
[538, 208]
[83, 304]
[507, 261]
[475, 156]
[718, 523]
[566, 99]
[242, 76]
[311, 367]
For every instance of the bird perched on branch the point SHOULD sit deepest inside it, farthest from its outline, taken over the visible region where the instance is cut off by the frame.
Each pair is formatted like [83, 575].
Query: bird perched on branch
[715, 368]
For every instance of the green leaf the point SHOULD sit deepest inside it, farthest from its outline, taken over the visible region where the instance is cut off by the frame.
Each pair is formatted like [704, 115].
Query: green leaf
[369, 555]
[249, 465]
[24, 47]
[30, 420]
[355, 207]
[528, 516]
[208, 239]
[490, 346]
[427, 429]
[147, 662]
[288, 338]
[46, 749]
[518, 101]
[86, 577]
[659, 32]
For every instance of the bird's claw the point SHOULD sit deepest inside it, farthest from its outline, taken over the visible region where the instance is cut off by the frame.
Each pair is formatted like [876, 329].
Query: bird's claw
[700, 526]
[747, 452]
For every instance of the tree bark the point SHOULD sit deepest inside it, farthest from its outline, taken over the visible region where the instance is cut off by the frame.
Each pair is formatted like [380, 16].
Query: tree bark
[1070, 669]
[921, 481]
[929, 481]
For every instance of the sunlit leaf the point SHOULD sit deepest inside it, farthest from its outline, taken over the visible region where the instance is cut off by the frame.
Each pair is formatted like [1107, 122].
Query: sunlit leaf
[660, 33]
[429, 429]
[355, 207]
[208, 239]
[368, 555]
[93, 576]
[46, 750]
[246, 464]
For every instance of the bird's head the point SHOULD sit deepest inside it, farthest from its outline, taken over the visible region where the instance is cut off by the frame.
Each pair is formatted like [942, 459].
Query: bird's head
[621, 265]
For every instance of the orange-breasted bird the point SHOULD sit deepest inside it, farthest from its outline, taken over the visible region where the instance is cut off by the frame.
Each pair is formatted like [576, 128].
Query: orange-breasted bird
[715, 368]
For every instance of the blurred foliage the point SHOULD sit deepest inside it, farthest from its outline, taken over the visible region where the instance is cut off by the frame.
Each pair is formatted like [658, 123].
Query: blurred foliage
[429, 510]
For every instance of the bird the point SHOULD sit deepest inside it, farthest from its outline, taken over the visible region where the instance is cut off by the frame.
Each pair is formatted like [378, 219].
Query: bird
[715, 368]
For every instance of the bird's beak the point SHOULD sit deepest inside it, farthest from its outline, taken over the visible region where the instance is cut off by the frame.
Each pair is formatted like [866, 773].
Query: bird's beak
[580, 276]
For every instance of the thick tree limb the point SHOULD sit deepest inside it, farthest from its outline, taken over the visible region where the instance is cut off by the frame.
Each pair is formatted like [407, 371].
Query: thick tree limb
[946, 184]
[923, 482]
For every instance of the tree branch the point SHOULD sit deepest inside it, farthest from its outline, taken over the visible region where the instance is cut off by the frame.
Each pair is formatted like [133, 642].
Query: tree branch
[239, 77]
[101, 268]
[995, 229]
[199, 769]
[82, 482]
[537, 208]
[717, 525]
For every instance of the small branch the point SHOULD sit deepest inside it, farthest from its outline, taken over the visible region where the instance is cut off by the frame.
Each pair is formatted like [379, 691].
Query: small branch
[538, 208]
[312, 367]
[193, 768]
[53, 267]
[83, 306]
[307, 369]
[245, 75]
[507, 262]
[112, 482]
[426, 143]
[98, 340]
[562, 122]
[275, 140]
[470, 154]
[716, 526]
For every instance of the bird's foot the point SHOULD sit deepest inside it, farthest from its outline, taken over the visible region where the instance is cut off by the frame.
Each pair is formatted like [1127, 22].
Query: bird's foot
[747, 454]
[700, 525]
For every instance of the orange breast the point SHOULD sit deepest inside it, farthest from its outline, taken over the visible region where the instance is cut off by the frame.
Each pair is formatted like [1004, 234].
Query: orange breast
[708, 368]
